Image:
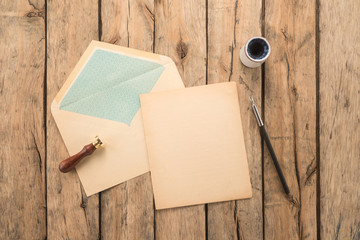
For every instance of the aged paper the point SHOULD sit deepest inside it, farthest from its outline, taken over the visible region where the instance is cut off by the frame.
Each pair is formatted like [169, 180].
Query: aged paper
[195, 145]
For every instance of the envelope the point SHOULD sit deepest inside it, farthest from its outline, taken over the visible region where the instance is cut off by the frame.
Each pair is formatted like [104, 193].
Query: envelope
[101, 98]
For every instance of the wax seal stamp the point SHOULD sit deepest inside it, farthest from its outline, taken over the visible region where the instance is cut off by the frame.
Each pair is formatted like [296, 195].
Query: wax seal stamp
[70, 163]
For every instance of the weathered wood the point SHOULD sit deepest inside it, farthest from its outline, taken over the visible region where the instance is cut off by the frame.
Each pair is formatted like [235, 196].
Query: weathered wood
[230, 24]
[290, 118]
[127, 210]
[71, 26]
[129, 24]
[22, 151]
[180, 33]
[339, 60]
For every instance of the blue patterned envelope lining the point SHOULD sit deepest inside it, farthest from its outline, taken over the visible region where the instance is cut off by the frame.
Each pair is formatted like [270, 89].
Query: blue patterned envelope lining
[109, 86]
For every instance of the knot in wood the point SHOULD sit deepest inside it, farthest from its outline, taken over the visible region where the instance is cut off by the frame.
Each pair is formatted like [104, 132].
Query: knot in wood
[182, 49]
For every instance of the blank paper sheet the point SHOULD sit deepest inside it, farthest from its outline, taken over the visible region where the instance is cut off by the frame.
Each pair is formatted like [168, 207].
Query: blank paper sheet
[195, 144]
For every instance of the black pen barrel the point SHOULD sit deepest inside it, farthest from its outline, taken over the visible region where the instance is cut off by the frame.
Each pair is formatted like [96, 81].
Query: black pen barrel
[276, 163]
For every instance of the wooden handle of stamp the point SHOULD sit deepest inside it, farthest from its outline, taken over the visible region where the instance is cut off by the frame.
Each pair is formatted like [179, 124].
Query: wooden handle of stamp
[69, 163]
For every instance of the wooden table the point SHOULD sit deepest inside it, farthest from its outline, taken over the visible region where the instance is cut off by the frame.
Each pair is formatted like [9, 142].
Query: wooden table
[308, 92]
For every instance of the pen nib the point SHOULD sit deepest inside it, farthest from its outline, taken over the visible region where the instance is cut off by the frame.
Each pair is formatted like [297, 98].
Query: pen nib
[256, 112]
[252, 100]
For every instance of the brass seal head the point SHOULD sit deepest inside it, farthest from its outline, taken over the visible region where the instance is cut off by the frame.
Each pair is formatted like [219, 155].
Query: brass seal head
[97, 143]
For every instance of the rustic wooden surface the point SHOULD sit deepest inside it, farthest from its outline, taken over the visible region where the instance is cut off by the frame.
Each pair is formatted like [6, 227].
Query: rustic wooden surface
[339, 120]
[127, 210]
[184, 40]
[290, 117]
[227, 32]
[308, 92]
[69, 28]
[22, 151]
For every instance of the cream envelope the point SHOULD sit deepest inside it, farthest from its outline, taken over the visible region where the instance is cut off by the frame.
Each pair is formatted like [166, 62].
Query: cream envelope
[195, 145]
[101, 98]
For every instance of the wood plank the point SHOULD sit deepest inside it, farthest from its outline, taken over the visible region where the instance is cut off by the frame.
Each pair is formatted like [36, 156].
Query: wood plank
[339, 60]
[127, 211]
[180, 33]
[70, 28]
[22, 152]
[230, 24]
[129, 24]
[290, 118]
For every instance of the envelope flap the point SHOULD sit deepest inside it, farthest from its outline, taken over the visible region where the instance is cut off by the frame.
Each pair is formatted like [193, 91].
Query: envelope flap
[129, 52]
[109, 86]
[109, 83]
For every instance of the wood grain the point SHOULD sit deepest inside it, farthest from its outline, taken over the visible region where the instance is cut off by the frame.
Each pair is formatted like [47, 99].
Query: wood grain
[180, 33]
[36, 37]
[230, 24]
[339, 59]
[290, 119]
[70, 28]
[127, 210]
[22, 151]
